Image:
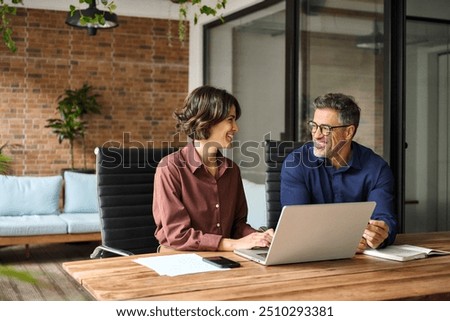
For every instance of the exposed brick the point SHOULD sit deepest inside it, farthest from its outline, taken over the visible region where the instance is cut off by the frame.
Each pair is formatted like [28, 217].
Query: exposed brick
[140, 74]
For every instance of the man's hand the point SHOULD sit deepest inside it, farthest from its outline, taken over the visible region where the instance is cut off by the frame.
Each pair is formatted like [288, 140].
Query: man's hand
[361, 246]
[375, 233]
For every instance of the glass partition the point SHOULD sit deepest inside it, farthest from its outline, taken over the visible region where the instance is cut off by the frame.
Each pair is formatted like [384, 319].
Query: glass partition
[247, 57]
[341, 50]
[427, 187]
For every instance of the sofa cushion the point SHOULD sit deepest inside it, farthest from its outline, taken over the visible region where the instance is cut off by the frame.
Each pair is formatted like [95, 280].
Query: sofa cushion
[32, 225]
[27, 195]
[85, 223]
[80, 193]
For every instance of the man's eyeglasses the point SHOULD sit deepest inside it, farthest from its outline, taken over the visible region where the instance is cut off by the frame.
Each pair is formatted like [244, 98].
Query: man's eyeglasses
[324, 129]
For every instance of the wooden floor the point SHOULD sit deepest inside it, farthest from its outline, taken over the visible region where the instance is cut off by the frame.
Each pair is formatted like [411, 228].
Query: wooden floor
[44, 264]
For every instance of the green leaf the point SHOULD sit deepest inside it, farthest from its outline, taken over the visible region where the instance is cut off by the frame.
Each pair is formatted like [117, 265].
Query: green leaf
[112, 7]
[5, 11]
[181, 30]
[85, 20]
[5, 162]
[183, 12]
[12, 273]
[208, 10]
[7, 39]
[11, 10]
[100, 19]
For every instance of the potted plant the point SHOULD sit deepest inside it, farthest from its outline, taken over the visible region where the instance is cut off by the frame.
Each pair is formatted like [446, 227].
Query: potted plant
[5, 160]
[72, 106]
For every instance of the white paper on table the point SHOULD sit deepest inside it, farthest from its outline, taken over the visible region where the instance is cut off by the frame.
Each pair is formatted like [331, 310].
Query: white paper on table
[178, 264]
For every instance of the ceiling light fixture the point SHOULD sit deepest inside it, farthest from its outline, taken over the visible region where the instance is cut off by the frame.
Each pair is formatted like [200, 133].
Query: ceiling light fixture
[76, 18]
[374, 41]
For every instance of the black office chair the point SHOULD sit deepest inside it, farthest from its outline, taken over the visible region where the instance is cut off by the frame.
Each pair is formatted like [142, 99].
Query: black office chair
[275, 152]
[125, 179]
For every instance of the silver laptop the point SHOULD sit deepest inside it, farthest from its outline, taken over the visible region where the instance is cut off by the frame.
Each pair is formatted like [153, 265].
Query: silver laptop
[315, 232]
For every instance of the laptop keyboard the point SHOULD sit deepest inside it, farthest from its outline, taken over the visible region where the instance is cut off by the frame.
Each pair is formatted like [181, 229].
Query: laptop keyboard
[261, 248]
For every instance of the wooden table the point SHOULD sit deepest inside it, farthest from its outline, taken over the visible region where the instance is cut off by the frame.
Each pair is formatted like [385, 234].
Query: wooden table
[360, 278]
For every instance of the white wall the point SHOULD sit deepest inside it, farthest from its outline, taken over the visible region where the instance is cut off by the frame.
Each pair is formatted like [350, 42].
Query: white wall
[133, 8]
[258, 82]
[438, 9]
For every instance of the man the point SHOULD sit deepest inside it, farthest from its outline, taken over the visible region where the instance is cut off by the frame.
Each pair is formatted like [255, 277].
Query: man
[335, 169]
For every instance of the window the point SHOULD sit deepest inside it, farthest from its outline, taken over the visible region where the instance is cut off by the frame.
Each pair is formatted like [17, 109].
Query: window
[278, 56]
[341, 51]
[247, 57]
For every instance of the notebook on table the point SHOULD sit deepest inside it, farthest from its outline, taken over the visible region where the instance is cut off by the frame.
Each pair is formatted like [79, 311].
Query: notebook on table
[314, 232]
[404, 252]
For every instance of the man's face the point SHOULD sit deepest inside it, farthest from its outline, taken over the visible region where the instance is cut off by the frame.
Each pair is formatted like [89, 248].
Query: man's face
[326, 146]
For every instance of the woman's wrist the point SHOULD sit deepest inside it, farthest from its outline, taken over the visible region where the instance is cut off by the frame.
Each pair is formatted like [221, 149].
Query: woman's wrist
[227, 244]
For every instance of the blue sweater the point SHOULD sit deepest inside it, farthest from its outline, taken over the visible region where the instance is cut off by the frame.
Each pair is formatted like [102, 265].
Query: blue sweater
[307, 179]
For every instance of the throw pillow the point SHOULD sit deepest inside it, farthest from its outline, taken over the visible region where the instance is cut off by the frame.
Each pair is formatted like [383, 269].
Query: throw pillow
[28, 195]
[80, 193]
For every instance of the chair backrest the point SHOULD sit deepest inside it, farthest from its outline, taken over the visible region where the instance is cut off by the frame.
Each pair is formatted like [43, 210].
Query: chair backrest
[275, 152]
[125, 179]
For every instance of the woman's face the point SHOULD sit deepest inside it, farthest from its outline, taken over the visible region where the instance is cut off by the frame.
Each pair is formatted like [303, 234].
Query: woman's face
[222, 133]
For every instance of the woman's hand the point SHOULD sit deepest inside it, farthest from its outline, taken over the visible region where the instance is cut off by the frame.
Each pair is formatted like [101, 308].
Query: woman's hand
[255, 239]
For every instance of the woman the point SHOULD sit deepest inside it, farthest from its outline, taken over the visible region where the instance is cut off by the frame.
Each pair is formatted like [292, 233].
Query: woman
[199, 202]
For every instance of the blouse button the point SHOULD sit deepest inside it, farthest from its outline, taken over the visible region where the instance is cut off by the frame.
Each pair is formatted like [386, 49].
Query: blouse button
[217, 205]
[218, 224]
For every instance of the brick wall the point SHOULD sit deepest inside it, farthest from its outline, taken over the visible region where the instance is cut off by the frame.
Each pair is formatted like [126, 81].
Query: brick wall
[140, 74]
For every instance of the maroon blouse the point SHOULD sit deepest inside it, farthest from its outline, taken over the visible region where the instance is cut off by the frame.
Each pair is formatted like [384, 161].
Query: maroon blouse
[192, 209]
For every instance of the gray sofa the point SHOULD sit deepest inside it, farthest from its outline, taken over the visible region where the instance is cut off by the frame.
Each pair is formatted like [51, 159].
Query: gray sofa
[48, 209]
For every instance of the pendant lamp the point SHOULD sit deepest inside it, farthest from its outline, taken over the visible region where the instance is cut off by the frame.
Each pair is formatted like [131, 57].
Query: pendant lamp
[374, 41]
[75, 20]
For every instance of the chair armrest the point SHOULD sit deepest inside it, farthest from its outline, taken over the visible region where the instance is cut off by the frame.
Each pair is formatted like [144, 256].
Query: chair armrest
[98, 252]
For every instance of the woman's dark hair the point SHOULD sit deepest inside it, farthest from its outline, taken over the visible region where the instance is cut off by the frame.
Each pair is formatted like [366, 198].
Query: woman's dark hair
[204, 107]
[349, 112]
